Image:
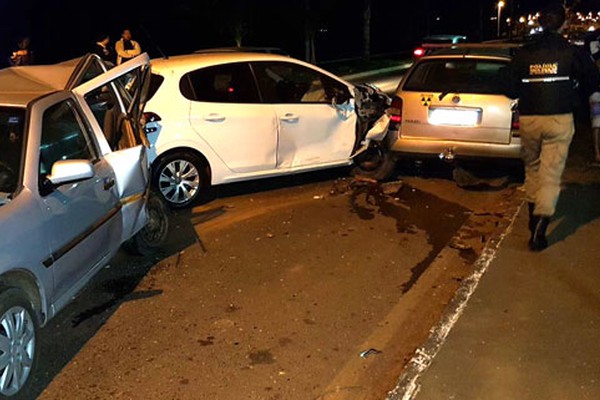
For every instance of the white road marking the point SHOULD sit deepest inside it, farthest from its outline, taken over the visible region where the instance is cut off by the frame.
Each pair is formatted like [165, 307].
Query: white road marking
[408, 384]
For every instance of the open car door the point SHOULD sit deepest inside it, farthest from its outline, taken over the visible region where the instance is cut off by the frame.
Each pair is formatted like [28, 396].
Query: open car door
[88, 67]
[114, 102]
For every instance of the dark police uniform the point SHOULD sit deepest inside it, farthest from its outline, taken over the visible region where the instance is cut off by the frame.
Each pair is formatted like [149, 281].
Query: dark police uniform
[544, 76]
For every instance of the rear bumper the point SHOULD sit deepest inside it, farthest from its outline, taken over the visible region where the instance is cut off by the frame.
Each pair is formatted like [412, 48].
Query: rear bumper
[443, 148]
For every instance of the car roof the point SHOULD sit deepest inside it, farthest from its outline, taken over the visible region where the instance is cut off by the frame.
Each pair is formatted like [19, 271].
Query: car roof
[213, 58]
[20, 85]
[185, 63]
[246, 49]
[443, 37]
[500, 50]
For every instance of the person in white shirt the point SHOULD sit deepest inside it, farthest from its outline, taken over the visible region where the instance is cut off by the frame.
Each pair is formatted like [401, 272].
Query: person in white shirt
[126, 47]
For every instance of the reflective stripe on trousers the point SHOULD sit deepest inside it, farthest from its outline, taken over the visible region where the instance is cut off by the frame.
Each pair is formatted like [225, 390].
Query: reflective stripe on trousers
[545, 141]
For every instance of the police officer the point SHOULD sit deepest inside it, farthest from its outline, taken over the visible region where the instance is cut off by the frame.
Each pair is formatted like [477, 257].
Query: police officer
[544, 74]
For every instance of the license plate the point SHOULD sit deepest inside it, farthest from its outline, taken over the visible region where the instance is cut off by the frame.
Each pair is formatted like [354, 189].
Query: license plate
[455, 116]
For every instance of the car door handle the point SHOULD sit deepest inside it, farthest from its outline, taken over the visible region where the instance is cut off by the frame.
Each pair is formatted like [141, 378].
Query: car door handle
[214, 117]
[109, 183]
[289, 117]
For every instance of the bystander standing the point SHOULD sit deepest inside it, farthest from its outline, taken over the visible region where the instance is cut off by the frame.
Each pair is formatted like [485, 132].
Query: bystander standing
[126, 47]
[23, 54]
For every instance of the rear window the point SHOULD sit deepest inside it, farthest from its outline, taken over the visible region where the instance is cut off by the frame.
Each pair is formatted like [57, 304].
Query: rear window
[460, 75]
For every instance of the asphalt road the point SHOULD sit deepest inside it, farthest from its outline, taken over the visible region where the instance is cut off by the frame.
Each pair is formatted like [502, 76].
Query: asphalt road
[386, 82]
[272, 289]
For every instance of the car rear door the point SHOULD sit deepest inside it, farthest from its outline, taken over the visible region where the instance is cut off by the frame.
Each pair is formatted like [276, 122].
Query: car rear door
[225, 110]
[113, 102]
[457, 99]
[312, 129]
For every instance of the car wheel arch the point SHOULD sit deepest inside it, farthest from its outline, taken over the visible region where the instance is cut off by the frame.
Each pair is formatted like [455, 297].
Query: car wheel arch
[29, 284]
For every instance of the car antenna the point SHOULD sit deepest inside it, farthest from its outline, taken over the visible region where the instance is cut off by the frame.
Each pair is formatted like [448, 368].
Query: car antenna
[156, 46]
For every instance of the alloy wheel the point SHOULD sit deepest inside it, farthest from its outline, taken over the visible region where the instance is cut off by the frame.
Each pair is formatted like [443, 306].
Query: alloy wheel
[17, 349]
[179, 181]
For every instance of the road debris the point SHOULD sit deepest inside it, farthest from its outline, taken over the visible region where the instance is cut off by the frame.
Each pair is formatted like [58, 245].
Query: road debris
[468, 179]
[370, 352]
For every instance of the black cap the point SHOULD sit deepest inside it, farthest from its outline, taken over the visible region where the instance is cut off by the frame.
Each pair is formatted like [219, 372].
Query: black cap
[552, 16]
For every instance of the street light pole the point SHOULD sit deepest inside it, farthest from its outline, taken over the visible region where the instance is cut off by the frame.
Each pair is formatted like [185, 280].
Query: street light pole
[501, 4]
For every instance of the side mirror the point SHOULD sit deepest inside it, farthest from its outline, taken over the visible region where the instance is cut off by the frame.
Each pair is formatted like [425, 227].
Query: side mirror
[70, 171]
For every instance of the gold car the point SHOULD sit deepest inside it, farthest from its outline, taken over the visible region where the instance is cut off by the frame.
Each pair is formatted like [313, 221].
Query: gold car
[451, 104]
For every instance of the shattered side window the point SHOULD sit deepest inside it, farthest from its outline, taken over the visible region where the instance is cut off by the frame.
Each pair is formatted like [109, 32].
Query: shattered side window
[282, 82]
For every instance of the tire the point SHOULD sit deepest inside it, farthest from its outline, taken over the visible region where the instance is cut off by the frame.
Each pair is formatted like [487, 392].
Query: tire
[19, 331]
[180, 178]
[377, 162]
[151, 238]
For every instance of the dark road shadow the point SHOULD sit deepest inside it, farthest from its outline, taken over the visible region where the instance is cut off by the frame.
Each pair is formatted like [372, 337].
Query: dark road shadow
[65, 335]
[472, 175]
[264, 185]
[73, 327]
[578, 205]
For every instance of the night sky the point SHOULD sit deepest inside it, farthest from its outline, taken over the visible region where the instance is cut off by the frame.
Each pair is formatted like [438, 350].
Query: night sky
[63, 29]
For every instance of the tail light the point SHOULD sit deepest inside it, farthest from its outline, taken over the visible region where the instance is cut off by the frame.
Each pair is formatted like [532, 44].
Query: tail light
[148, 117]
[151, 117]
[515, 125]
[395, 112]
[419, 52]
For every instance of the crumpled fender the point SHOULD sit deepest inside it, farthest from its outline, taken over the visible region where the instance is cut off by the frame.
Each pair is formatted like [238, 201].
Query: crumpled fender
[377, 133]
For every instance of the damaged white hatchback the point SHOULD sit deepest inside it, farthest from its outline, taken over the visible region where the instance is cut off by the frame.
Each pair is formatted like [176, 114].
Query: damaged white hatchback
[222, 117]
[74, 180]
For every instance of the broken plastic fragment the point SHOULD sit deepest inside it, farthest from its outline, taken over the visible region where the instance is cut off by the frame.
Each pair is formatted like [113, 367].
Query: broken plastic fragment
[370, 352]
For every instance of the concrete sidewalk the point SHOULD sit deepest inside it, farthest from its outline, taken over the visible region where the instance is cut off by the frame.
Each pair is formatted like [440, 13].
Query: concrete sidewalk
[531, 330]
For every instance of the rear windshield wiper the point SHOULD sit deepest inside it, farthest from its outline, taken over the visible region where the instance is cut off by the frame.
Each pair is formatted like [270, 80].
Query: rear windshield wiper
[445, 93]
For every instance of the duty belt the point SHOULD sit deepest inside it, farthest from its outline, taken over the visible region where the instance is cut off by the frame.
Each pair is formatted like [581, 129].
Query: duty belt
[546, 80]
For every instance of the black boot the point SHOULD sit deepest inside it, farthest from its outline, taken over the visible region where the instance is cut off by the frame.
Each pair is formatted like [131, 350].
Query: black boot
[538, 241]
[532, 218]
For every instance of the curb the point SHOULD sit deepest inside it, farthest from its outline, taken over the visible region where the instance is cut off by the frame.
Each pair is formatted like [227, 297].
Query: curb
[408, 386]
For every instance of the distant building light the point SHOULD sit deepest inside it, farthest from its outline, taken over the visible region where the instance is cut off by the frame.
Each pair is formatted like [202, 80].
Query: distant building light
[522, 20]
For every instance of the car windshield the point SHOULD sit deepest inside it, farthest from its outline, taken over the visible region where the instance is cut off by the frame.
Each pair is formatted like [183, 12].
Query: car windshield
[12, 121]
[459, 75]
